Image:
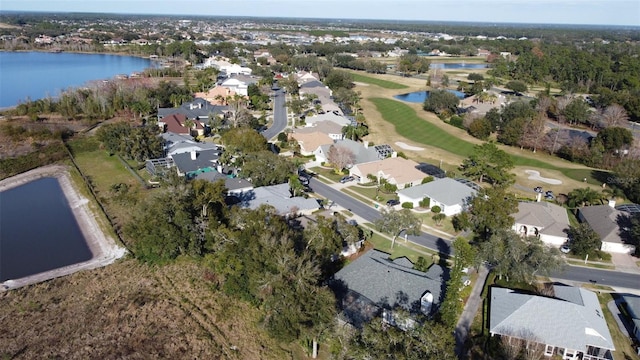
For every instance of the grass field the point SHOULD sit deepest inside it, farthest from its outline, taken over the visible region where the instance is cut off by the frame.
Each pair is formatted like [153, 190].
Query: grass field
[409, 125]
[411, 251]
[379, 82]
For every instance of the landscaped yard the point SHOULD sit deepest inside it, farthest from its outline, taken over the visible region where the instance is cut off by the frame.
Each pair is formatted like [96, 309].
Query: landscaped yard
[401, 248]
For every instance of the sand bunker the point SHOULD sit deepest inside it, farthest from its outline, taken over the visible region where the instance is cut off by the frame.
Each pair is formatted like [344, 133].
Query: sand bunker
[405, 146]
[535, 175]
[103, 247]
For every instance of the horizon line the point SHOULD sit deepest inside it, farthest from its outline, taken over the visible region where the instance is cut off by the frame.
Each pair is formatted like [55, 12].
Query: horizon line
[485, 23]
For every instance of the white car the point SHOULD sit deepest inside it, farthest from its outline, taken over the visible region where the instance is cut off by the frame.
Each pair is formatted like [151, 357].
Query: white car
[565, 249]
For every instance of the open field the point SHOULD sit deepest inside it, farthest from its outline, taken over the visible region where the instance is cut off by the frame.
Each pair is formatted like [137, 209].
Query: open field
[130, 310]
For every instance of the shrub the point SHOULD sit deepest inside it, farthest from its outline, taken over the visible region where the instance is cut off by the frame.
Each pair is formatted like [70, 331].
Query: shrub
[436, 209]
[428, 179]
[407, 205]
[425, 202]
[456, 121]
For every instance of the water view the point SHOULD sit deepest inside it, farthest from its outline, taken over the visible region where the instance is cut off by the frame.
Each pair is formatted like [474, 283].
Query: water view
[38, 231]
[454, 66]
[421, 96]
[36, 75]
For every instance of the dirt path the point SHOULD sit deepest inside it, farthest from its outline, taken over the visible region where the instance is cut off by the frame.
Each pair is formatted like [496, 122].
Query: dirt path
[103, 247]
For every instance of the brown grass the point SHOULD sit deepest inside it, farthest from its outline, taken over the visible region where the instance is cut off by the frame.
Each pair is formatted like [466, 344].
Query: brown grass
[130, 310]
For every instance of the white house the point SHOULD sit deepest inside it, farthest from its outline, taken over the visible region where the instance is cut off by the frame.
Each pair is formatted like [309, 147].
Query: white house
[450, 195]
[395, 170]
[543, 219]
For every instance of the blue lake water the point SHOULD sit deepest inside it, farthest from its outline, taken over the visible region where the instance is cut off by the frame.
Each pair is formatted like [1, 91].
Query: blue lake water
[421, 96]
[453, 66]
[38, 231]
[36, 75]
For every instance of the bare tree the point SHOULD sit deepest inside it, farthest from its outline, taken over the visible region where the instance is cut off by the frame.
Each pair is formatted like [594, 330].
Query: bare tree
[534, 132]
[511, 347]
[561, 104]
[340, 157]
[614, 115]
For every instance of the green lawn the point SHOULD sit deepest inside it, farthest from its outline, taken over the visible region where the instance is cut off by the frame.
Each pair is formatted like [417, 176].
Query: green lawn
[409, 125]
[379, 82]
[411, 251]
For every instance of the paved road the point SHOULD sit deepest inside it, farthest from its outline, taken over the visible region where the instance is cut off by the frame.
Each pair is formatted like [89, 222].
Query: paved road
[571, 273]
[279, 116]
[371, 214]
[470, 310]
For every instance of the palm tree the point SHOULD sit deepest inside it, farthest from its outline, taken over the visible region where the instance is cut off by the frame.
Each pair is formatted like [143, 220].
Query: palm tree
[583, 196]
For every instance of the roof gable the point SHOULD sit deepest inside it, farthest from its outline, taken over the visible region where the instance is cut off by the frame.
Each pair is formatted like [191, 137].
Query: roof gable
[550, 219]
[446, 191]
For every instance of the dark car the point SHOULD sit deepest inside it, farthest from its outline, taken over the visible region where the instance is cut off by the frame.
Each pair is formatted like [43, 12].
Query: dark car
[393, 202]
[346, 179]
[537, 189]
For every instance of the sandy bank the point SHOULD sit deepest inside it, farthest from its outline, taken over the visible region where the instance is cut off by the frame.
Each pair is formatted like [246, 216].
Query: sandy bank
[103, 246]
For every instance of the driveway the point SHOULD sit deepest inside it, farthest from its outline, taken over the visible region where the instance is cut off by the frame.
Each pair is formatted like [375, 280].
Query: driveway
[469, 312]
[625, 263]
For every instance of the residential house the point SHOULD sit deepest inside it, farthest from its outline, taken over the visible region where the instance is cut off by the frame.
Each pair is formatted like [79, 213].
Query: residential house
[373, 284]
[631, 305]
[226, 67]
[195, 162]
[543, 219]
[239, 83]
[235, 186]
[569, 324]
[177, 124]
[305, 76]
[279, 197]
[362, 154]
[323, 96]
[450, 195]
[175, 144]
[329, 116]
[395, 170]
[199, 110]
[310, 141]
[329, 128]
[218, 95]
[608, 223]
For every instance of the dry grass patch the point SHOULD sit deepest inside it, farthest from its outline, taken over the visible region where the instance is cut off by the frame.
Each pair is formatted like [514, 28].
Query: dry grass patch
[130, 310]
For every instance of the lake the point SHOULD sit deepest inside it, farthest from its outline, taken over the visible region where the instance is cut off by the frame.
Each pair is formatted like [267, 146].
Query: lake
[454, 66]
[38, 231]
[421, 96]
[36, 75]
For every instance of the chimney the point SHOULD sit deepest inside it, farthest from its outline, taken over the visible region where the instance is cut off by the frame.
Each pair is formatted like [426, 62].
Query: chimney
[612, 203]
[193, 154]
[366, 144]
[219, 168]
[538, 197]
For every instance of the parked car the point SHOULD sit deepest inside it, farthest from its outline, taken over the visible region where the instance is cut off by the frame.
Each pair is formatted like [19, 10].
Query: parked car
[549, 193]
[537, 189]
[346, 179]
[352, 222]
[393, 202]
[565, 249]
[549, 197]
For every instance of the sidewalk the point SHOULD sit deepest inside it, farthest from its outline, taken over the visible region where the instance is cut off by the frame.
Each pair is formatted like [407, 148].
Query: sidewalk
[470, 310]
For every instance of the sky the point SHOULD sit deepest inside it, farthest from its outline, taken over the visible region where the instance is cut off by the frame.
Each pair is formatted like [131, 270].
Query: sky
[589, 12]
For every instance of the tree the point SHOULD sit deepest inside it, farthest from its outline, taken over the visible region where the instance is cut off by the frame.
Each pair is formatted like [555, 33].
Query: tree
[243, 140]
[576, 111]
[583, 239]
[394, 222]
[441, 101]
[634, 230]
[615, 138]
[627, 177]
[340, 157]
[266, 168]
[475, 77]
[451, 307]
[518, 259]
[490, 163]
[516, 86]
[480, 128]
[613, 115]
[583, 196]
[490, 211]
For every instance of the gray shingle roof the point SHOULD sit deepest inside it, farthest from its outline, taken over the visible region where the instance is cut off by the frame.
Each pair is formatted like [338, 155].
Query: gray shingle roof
[362, 154]
[574, 324]
[388, 283]
[204, 159]
[633, 305]
[603, 219]
[549, 218]
[445, 191]
[277, 196]
[196, 109]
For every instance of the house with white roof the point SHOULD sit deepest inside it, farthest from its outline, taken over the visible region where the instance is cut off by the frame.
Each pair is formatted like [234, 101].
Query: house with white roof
[570, 324]
[542, 219]
[361, 153]
[239, 84]
[330, 116]
[450, 195]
